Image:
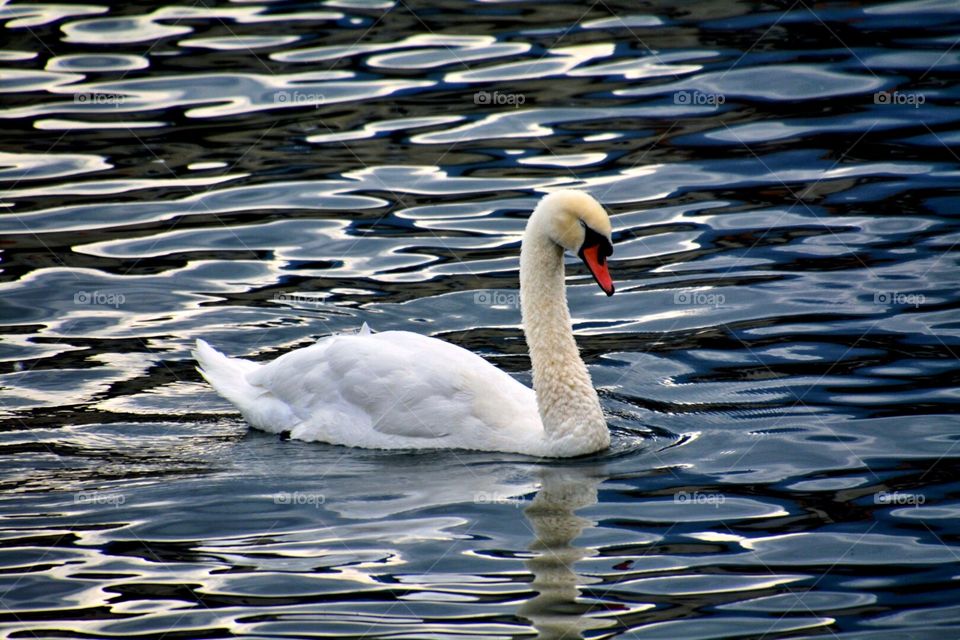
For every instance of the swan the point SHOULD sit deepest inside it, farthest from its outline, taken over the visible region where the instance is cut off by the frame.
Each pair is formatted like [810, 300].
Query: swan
[402, 390]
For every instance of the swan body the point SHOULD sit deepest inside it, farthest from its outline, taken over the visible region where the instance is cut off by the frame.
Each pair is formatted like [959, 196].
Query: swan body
[402, 390]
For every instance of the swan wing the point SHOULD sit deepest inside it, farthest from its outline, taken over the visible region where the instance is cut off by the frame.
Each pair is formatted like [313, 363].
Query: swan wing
[397, 389]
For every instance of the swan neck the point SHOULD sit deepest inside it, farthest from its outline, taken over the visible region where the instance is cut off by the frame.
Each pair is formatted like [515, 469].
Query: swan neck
[569, 408]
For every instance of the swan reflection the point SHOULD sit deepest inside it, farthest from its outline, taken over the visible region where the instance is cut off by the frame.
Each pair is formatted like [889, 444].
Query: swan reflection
[555, 612]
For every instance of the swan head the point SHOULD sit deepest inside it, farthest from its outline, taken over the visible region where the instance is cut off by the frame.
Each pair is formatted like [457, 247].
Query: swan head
[578, 223]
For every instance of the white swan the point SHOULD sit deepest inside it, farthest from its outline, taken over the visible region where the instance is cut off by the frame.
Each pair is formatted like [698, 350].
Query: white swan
[401, 390]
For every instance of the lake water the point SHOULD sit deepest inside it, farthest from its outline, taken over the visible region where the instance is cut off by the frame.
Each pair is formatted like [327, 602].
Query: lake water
[779, 364]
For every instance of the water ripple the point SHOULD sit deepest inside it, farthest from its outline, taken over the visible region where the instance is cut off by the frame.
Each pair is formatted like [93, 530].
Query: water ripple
[778, 366]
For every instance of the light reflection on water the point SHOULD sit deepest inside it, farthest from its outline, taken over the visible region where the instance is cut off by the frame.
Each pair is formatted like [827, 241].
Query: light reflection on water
[778, 364]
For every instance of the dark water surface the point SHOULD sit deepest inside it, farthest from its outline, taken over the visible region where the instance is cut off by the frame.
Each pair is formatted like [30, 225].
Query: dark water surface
[779, 363]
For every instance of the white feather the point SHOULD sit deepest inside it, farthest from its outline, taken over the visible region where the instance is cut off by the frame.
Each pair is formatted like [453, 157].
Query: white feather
[387, 390]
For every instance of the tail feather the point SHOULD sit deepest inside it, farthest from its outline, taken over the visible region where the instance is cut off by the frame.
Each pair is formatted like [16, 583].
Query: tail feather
[228, 376]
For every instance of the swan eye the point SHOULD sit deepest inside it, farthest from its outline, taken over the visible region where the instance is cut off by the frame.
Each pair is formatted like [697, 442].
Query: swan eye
[593, 239]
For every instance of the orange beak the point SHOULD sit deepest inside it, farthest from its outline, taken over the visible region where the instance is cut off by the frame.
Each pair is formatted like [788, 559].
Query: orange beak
[598, 267]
